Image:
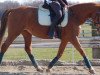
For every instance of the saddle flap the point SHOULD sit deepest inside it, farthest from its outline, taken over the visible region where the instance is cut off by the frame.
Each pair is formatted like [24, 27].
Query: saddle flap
[44, 17]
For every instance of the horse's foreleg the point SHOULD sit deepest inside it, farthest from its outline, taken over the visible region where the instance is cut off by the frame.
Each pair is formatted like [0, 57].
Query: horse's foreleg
[77, 45]
[28, 48]
[59, 54]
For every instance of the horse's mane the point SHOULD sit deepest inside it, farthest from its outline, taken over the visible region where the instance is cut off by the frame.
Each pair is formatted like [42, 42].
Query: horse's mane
[83, 11]
[83, 5]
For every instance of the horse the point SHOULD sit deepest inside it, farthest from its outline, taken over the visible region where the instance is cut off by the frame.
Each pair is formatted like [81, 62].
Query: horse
[24, 20]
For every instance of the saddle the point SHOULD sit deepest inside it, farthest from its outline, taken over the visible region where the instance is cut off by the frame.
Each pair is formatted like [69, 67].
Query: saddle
[45, 20]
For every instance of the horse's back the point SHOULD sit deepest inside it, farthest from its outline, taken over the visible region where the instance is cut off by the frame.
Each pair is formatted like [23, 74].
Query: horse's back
[23, 11]
[22, 15]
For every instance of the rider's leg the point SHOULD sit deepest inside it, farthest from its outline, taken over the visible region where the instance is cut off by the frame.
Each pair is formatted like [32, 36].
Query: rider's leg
[57, 10]
[59, 28]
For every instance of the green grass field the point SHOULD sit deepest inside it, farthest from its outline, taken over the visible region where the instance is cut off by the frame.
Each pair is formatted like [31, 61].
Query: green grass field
[86, 30]
[44, 53]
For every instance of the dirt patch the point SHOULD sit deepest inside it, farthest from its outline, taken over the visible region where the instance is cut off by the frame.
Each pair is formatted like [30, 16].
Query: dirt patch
[26, 68]
[56, 70]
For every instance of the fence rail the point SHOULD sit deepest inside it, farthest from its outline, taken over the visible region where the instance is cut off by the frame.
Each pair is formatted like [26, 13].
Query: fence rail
[89, 42]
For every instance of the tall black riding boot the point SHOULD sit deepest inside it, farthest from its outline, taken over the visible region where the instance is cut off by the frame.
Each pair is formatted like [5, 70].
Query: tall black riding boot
[58, 31]
[52, 28]
[51, 31]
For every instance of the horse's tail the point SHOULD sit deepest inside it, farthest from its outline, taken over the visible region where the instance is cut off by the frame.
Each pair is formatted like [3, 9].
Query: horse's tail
[3, 24]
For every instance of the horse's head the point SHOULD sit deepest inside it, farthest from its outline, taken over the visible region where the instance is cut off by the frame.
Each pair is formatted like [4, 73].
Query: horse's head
[96, 19]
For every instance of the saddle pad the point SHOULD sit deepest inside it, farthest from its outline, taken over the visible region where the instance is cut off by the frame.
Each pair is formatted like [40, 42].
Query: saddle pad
[44, 17]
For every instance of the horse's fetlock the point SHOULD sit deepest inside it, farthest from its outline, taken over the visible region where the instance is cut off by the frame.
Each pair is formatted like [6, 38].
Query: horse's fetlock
[92, 71]
[39, 69]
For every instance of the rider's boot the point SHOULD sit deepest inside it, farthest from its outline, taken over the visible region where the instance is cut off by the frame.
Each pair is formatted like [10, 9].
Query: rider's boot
[52, 28]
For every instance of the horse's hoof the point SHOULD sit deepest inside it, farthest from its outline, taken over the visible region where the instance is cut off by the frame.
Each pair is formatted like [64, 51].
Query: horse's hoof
[39, 69]
[92, 71]
[47, 70]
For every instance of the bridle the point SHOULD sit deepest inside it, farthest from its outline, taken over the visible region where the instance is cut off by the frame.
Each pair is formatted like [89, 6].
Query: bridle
[97, 17]
[97, 21]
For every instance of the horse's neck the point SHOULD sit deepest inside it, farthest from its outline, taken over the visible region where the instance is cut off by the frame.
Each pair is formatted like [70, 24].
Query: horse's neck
[83, 11]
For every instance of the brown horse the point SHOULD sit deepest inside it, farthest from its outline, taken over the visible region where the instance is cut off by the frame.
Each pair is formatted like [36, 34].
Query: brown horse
[24, 21]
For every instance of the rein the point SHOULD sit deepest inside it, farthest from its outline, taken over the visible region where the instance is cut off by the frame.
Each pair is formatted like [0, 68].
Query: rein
[97, 17]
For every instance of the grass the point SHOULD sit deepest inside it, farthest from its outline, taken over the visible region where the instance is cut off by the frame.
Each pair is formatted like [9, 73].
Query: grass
[86, 30]
[44, 53]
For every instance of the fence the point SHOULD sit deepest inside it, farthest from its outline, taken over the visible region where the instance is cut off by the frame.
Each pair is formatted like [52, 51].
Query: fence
[88, 42]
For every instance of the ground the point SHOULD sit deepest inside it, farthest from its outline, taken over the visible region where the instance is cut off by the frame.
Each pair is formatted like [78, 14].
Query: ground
[25, 68]
[56, 70]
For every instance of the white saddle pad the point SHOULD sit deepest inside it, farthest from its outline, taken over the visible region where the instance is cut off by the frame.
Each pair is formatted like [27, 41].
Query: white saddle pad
[44, 17]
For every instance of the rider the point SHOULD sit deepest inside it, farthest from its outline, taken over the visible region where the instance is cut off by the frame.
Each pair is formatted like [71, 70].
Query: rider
[57, 7]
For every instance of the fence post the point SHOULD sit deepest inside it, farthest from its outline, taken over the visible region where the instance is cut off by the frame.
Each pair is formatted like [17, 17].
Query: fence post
[83, 34]
[95, 51]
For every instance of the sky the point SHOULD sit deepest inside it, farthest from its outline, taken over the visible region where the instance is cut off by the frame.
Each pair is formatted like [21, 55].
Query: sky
[81, 1]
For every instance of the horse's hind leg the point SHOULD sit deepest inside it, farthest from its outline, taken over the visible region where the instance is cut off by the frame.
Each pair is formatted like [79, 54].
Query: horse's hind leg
[77, 45]
[28, 48]
[6, 44]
